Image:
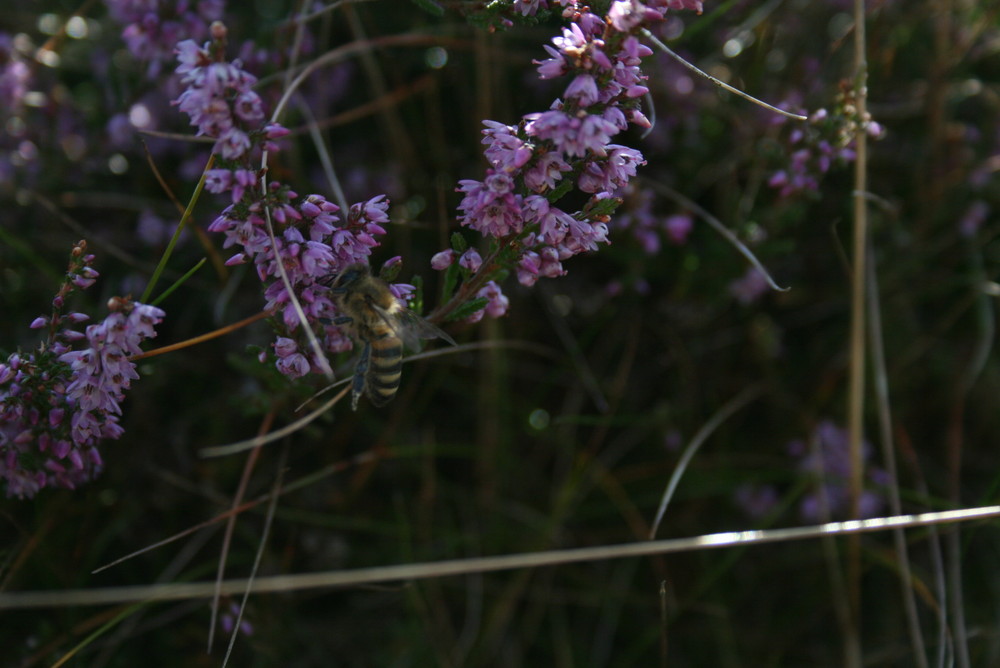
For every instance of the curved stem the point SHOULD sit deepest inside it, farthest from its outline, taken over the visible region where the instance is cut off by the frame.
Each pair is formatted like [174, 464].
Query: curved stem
[721, 84]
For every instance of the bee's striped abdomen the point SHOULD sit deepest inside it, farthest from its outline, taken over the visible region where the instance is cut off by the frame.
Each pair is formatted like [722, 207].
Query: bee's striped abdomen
[384, 369]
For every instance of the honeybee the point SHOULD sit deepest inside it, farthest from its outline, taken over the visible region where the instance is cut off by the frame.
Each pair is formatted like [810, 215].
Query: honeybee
[375, 318]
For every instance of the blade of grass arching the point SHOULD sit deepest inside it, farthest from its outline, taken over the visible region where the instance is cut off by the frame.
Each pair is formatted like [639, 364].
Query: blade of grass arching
[83, 644]
[231, 526]
[251, 443]
[881, 383]
[717, 225]
[217, 262]
[986, 331]
[179, 282]
[856, 370]
[177, 233]
[268, 521]
[713, 423]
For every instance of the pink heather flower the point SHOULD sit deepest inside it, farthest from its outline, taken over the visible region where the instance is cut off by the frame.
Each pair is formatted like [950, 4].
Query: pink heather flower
[311, 243]
[613, 172]
[572, 136]
[442, 260]
[498, 302]
[403, 292]
[529, 7]
[546, 172]
[471, 260]
[290, 361]
[552, 67]
[750, 287]
[218, 180]
[553, 223]
[153, 29]
[678, 228]
[86, 386]
[528, 268]
[506, 152]
[490, 207]
[583, 89]
[625, 15]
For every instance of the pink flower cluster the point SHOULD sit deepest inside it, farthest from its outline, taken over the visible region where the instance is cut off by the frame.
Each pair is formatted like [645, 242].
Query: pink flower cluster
[310, 241]
[530, 162]
[827, 140]
[58, 404]
[219, 98]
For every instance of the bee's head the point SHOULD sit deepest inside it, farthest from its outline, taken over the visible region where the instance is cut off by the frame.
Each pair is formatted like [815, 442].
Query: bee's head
[346, 278]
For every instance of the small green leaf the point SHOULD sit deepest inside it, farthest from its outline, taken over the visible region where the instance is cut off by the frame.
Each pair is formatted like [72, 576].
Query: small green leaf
[468, 308]
[458, 243]
[450, 282]
[557, 193]
[180, 281]
[597, 208]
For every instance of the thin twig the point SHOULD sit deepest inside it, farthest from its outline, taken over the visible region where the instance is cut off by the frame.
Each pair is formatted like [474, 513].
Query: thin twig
[222, 331]
[63, 598]
[736, 91]
[856, 371]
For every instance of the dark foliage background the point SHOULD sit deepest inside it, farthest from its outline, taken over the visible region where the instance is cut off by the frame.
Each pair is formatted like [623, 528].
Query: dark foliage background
[564, 431]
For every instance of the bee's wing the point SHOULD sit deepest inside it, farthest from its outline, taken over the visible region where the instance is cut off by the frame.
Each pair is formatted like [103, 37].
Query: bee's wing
[423, 329]
[410, 327]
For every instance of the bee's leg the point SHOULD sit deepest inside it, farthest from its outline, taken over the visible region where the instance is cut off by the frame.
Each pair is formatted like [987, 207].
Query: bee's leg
[358, 387]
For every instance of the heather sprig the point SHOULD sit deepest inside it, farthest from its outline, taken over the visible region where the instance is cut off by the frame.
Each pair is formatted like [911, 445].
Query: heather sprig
[58, 403]
[535, 163]
[221, 102]
[815, 147]
[293, 242]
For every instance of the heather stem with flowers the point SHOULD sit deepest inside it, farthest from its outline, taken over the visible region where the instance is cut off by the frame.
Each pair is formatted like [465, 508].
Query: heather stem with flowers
[60, 402]
[535, 163]
[310, 239]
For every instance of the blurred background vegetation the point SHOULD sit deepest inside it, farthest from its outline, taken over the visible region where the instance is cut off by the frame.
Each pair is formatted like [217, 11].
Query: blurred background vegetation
[563, 431]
